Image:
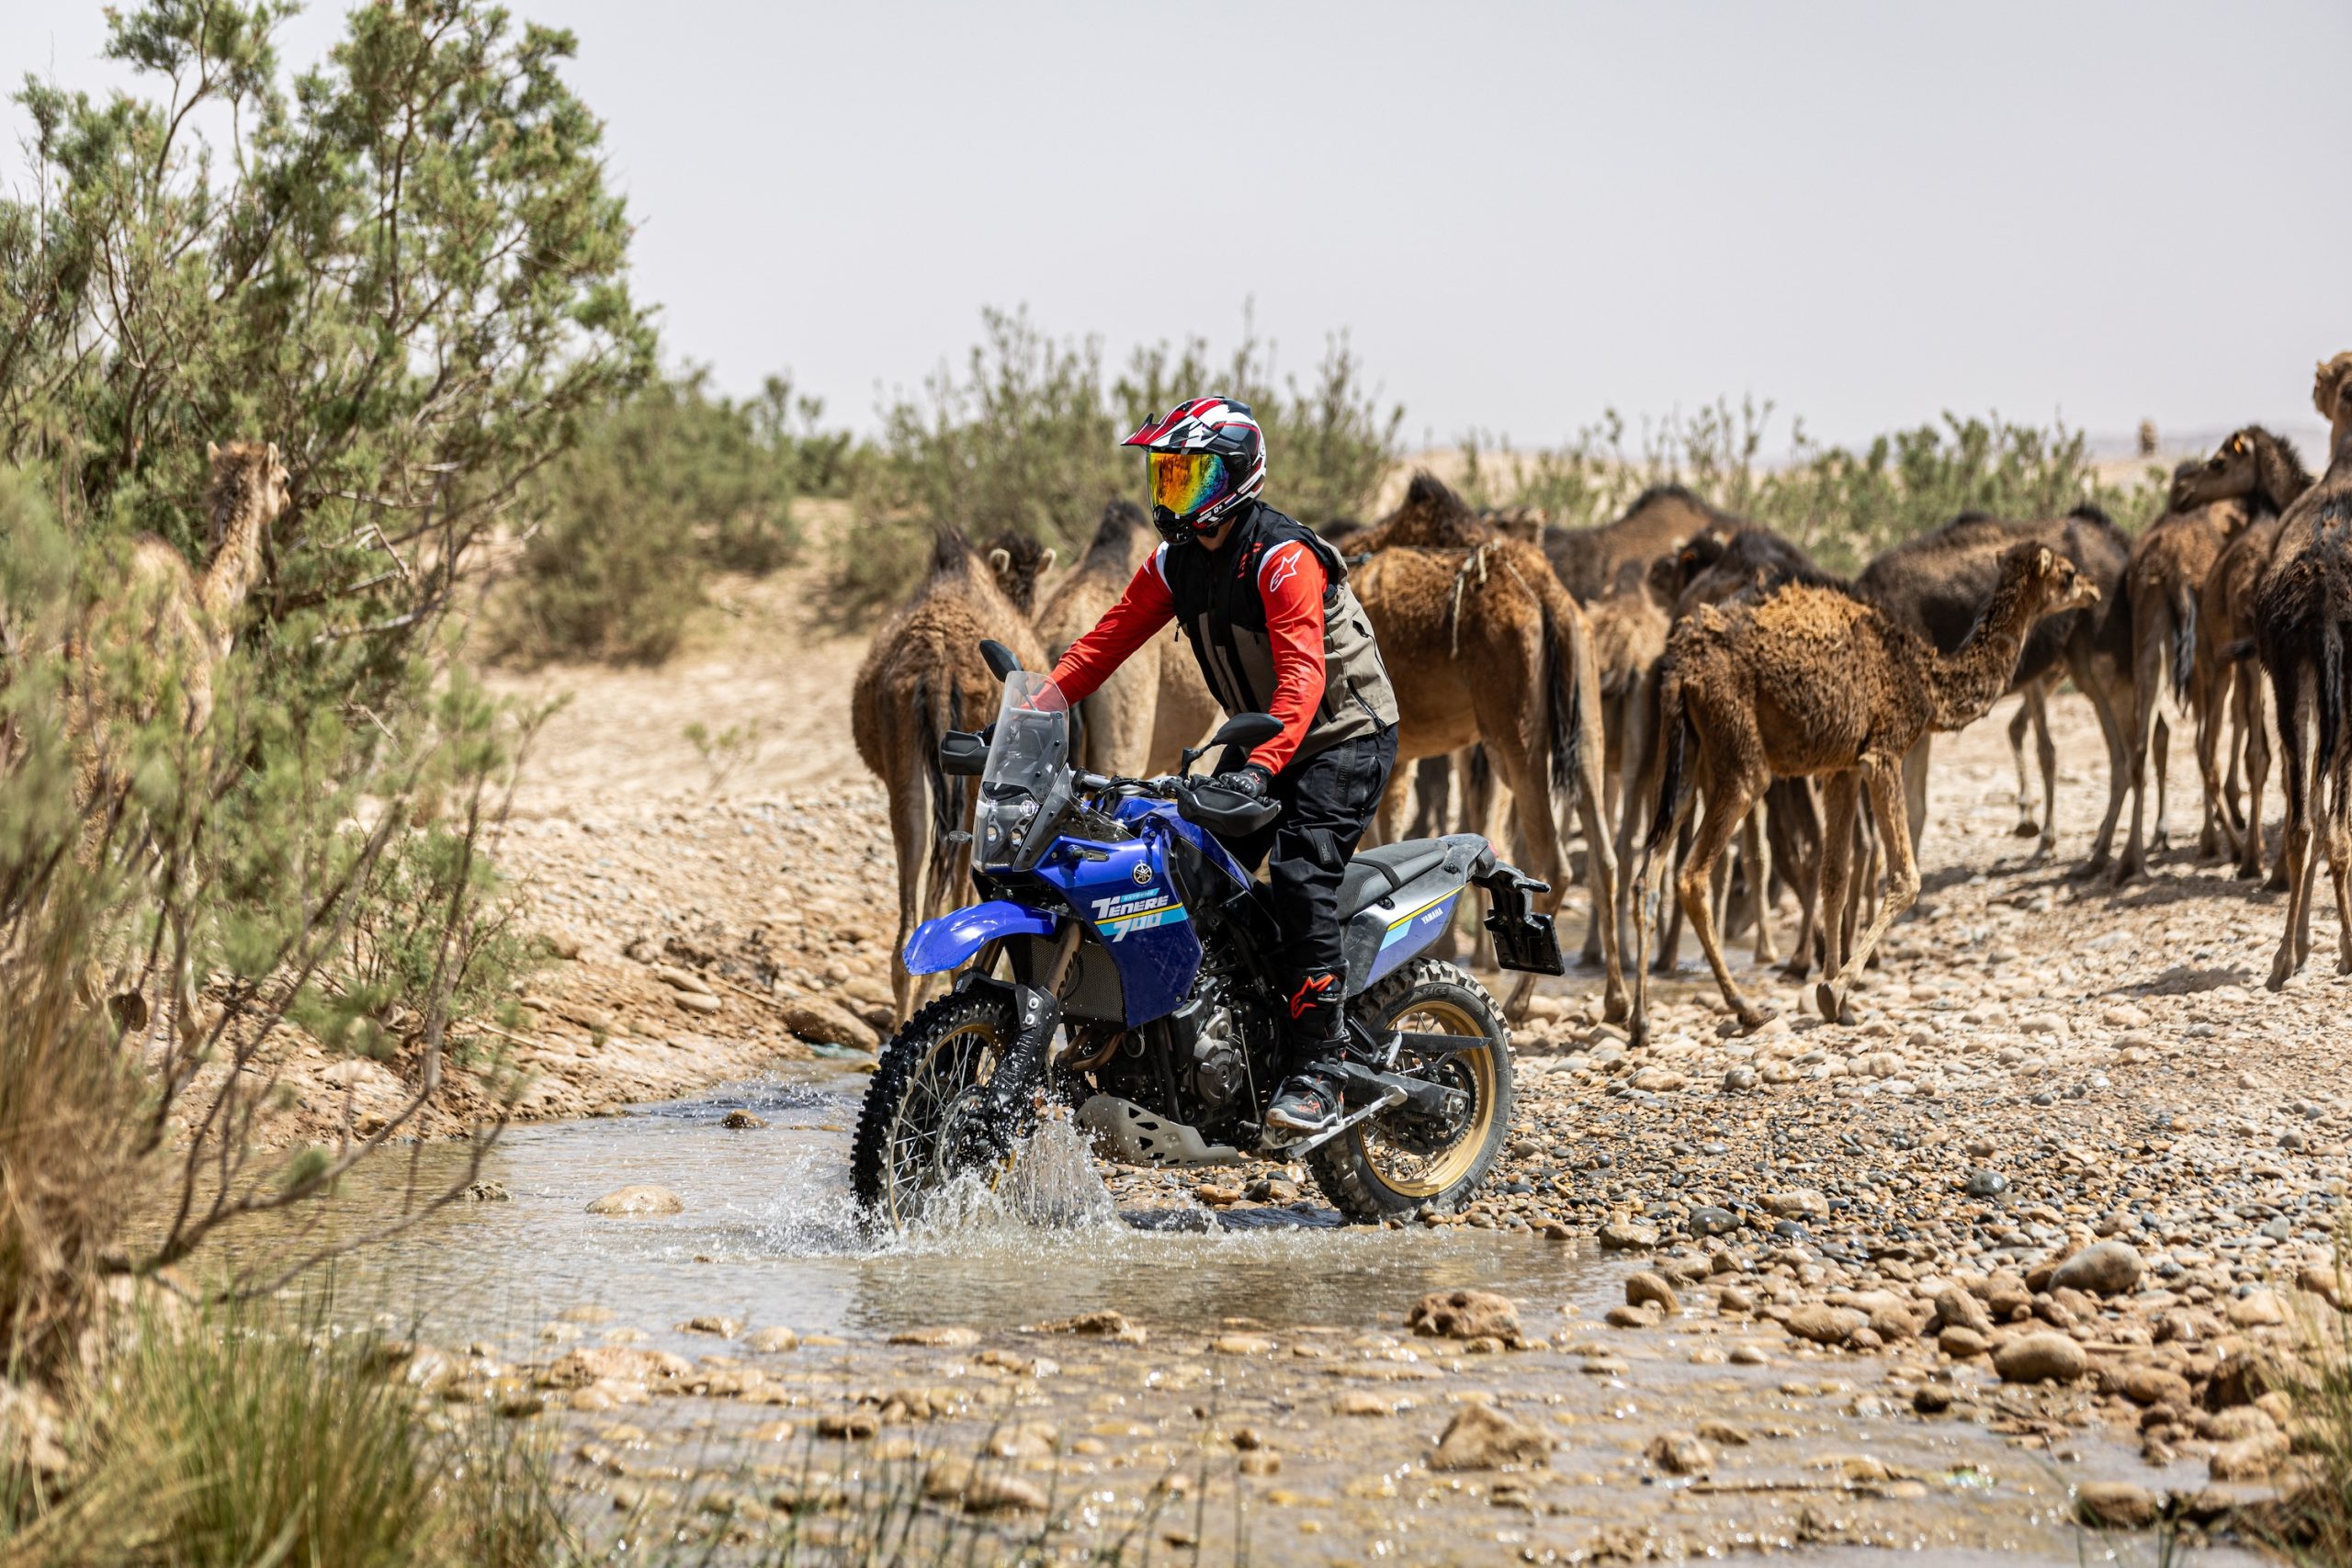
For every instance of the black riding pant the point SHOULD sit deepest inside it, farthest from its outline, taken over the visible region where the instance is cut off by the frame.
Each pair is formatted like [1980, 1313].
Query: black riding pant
[1327, 800]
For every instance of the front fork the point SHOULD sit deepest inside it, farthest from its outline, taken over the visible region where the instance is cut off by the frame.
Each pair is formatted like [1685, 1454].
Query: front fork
[1038, 1012]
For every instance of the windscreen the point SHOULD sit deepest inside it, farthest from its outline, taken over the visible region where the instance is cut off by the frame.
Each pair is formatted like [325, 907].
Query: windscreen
[1026, 780]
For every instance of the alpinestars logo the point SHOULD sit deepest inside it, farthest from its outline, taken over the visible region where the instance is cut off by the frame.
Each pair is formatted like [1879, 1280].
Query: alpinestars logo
[1285, 564]
[1310, 990]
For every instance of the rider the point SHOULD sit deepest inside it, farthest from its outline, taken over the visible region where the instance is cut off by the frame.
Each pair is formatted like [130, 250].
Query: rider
[1265, 603]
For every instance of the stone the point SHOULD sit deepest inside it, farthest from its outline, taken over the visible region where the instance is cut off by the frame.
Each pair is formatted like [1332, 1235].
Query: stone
[2146, 1385]
[2251, 1458]
[1825, 1324]
[772, 1340]
[1739, 1080]
[1931, 1399]
[2117, 1505]
[2261, 1309]
[1799, 1203]
[982, 1492]
[1645, 1316]
[1986, 1184]
[1480, 1438]
[710, 1323]
[1724, 1433]
[954, 1338]
[1106, 1324]
[487, 1192]
[2044, 1356]
[1707, 1220]
[638, 1202]
[2110, 1268]
[616, 1363]
[1643, 1288]
[1680, 1453]
[1464, 1315]
[741, 1120]
[1627, 1236]
[1242, 1345]
[821, 1022]
[697, 1001]
[1362, 1402]
[850, 1426]
[1962, 1343]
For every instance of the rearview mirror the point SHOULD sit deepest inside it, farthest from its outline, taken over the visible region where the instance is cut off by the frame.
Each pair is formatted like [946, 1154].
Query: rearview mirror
[962, 755]
[1001, 661]
[1247, 730]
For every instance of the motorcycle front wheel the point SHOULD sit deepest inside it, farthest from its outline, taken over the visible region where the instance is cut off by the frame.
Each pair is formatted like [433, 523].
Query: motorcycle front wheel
[927, 1120]
[1391, 1165]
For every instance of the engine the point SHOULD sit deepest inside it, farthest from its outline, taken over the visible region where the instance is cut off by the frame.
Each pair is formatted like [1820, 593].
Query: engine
[1220, 1067]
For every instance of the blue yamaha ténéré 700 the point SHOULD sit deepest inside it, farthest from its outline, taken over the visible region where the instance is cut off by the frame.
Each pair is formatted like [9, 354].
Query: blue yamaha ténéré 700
[1119, 964]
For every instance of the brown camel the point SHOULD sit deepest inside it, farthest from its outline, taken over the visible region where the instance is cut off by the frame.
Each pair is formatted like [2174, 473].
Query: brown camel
[1629, 629]
[186, 621]
[2169, 568]
[2263, 474]
[1808, 681]
[1140, 720]
[922, 677]
[2302, 620]
[1485, 645]
[1661, 521]
[1938, 584]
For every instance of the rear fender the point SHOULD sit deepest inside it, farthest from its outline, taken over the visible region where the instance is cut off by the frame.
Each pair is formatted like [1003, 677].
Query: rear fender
[949, 941]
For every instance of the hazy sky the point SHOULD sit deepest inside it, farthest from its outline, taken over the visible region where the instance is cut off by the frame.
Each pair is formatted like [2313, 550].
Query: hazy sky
[1523, 213]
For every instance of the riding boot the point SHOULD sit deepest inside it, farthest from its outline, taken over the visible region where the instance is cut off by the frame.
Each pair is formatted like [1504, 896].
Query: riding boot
[1311, 1100]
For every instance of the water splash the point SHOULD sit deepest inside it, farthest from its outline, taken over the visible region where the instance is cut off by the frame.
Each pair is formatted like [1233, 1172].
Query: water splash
[1051, 1183]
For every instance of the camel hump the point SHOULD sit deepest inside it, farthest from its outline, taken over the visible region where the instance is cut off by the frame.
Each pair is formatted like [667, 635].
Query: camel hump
[1807, 611]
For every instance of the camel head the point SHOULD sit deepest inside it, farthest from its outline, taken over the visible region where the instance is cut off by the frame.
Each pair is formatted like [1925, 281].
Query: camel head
[1018, 562]
[249, 479]
[2048, 579]
[2251, 463]
[2332, 395]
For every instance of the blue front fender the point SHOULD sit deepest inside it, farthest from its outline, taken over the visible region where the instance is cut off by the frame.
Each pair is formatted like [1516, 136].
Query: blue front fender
[951, 940]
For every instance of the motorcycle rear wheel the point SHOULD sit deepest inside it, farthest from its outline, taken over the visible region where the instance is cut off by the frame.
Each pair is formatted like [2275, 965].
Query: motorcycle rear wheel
[1374, 1170]
[921, 1127]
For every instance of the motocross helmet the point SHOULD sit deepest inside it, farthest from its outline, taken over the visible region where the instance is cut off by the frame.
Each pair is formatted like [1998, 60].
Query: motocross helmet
[1205, 461]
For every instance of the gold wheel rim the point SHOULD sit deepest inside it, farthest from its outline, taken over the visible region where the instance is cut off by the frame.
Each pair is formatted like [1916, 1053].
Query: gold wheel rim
[1412, 1175]
[974, 1048]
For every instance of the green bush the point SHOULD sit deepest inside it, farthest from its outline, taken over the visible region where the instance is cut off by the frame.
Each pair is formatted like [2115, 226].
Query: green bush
[1843, 506]
[1026, 441]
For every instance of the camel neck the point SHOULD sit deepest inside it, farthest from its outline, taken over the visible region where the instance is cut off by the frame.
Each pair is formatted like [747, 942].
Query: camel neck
[236, 559]
[1964, 686]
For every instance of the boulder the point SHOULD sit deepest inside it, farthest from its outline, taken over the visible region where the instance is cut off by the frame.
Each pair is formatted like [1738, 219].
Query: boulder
[616, 1363]
[1799, 1203]
[1480, 1438]
[1961, 1342]
[1627, 1236]
[821, 1022]
[2250, 1459]
[1645, 1287]
[2109, 1269]
[638, 1202]
[2043, 1357]
[1464, 1315]
[954, 1338]
[1680, 1453]
[1825, 1325]
[773, 1341]
[2117, 1505]
[1956, 1307]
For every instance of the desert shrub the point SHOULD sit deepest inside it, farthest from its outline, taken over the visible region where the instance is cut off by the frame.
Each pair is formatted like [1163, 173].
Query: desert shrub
[2314, 1523]
[1024, 440]
[1843, 505]
[662, 487]
[248, 1434]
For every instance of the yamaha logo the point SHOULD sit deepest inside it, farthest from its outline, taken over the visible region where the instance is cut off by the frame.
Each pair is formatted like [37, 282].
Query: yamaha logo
[1142, 874]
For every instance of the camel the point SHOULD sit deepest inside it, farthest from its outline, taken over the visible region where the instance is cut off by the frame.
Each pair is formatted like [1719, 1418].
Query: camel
[1017, 561]
[1629, 629]
[922, 677]
[1484, 645]
[1662, 520]
[2302, 620]
[1811, 680]
[1938, 584]
[2263, 474]
[188, 621]
[1140, 720]
[2168, 571]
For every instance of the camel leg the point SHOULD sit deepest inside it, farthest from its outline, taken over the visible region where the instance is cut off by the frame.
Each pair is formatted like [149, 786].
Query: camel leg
[1902, 882]
[2294, 737]
[1793, 811]
[1389, 820]
[2110, 727]
[1840, 793]
[1651, 878]
[2147, 680]
[2045, 758]
[2023, 721]
[911, 838]
[1601, 869]
[1914, 787]
[2339, 857]
[2160, 755]
[1726, 806]
[2256, 731]
[1757, 855]
[1544, 858]
[2216, 825]
[1669, 944]
[1632, 755]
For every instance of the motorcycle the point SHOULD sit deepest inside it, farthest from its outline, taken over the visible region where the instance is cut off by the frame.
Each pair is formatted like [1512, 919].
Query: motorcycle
[1119, 964]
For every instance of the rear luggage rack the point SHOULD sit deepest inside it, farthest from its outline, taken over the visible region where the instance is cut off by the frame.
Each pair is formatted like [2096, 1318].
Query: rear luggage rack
[1523, 940]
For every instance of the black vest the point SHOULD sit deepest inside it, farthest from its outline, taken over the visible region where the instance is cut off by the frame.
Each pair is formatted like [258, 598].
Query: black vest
[1223, 614]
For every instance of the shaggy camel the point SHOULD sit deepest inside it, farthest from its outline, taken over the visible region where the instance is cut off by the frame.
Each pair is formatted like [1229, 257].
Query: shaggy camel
[1484, 645]
[186, 620]
[1661, 521]
[2302, 620]
[1151, 707]
[2264, 475]
[2169, 568]
[1937, 585]
[1811, 680]
[922, 677]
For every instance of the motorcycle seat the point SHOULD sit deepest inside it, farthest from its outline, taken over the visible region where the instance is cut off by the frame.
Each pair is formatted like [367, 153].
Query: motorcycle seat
[1375, 874]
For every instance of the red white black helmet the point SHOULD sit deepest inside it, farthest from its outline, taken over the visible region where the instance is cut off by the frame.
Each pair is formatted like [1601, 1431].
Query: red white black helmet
[1206, 459]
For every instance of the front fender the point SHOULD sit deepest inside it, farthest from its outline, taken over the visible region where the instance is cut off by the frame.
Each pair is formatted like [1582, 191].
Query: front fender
[950, 941]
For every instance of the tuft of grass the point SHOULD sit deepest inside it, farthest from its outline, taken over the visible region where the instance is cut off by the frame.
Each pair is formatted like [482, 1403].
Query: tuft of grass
[2313, 1523]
